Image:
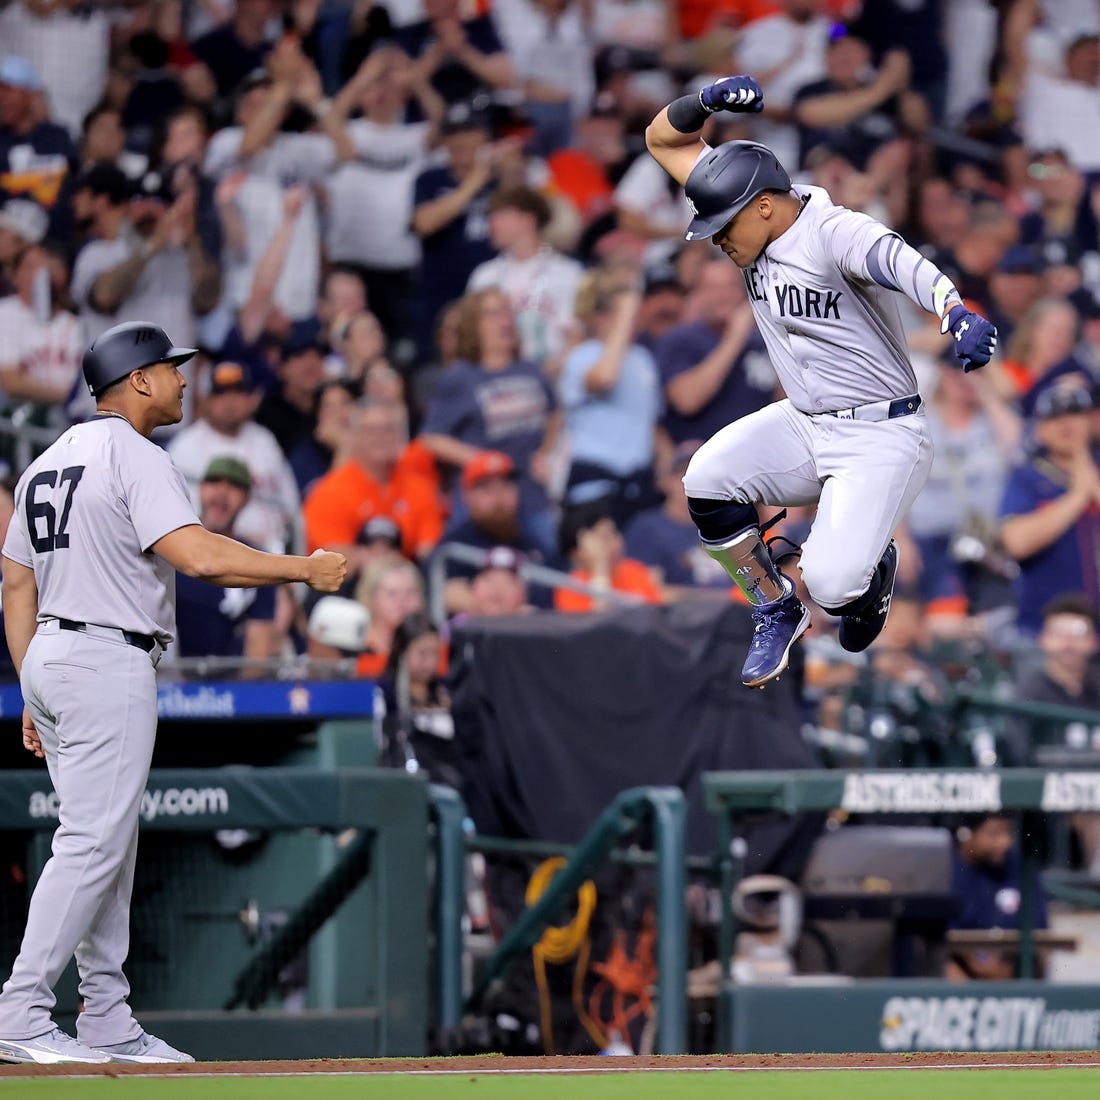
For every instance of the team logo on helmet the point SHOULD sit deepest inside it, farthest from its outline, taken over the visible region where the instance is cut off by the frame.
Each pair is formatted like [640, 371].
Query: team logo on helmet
[693, 208]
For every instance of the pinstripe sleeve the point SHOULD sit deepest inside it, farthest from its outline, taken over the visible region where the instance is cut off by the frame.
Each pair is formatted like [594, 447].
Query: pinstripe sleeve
[898, 266]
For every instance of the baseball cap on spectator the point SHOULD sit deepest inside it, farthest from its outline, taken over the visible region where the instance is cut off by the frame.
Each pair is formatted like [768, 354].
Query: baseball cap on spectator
[380, 528]
[605, 106]
[465, 116]
[1063, 401]
[339, 622]
[228, 468]
[510, 120]
[303, 336]
[1086, 303]
[26, 219]
[18, 72]
[486, 465]
[229, 377]
[524, 199]
[299, 345]
[617, 60]
[153, 185]
[1020, 259]
[661, 276]
[103, 178]
[502, 557]
[258, 78]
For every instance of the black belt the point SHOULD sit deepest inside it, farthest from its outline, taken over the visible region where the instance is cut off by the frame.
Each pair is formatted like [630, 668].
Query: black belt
[145, 642]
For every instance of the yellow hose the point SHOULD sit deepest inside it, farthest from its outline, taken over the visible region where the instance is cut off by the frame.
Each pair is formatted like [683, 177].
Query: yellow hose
[558, 945]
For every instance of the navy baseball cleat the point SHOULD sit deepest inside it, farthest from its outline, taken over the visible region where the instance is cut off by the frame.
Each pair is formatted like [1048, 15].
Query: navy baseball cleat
[778, 626]
[858, 631]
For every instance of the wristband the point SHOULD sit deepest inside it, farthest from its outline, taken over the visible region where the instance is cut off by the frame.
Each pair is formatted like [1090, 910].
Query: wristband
[687, 114]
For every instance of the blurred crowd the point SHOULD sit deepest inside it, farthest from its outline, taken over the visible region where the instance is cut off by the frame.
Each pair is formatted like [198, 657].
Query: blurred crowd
[442, 296]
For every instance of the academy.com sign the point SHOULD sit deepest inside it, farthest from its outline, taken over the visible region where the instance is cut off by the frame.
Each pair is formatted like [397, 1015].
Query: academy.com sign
[156, 803]
[986, 1023]
[921, 792]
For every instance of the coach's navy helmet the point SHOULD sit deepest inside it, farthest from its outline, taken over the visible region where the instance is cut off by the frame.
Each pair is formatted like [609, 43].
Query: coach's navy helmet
[726, 180]
[125, 348]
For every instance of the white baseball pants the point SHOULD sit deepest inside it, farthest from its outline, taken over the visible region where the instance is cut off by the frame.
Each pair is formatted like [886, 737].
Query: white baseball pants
[94, 703]
[863, 475]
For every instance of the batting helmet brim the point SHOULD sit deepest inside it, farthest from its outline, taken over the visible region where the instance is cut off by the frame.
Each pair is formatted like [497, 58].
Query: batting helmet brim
[705, 228]
[176, 356]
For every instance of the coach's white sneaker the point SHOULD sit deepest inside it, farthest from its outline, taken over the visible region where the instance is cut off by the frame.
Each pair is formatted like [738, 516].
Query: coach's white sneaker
[145, 1049]
[48, 1049]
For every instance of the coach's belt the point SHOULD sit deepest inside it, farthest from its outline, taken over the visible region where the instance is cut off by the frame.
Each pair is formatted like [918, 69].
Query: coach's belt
[879, 410]
[142, 641]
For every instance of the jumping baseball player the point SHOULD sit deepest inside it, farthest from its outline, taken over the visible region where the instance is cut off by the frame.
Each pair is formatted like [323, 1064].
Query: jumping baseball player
[851, 435]
[102, 521]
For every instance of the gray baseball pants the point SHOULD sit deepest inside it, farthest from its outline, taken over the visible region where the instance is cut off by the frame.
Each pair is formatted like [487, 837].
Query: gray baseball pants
[94, 702]
[863, 475]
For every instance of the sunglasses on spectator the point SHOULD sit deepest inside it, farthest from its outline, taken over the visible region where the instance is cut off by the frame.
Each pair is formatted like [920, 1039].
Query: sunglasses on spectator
[1046, 171]
[1062, 402]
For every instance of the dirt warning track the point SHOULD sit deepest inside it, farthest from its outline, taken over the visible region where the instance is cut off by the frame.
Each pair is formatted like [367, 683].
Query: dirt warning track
[495, 1064]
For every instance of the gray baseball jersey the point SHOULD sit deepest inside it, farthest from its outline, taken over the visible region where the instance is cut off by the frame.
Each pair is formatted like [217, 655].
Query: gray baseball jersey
[834, 335]
[86, 513]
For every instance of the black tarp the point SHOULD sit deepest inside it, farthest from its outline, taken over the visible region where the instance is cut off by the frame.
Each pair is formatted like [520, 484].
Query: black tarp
[556, 714]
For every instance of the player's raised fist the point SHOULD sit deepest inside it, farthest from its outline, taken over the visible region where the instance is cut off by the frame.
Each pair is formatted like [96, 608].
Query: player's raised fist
[973, 337]
[327, 571]
[740, 94]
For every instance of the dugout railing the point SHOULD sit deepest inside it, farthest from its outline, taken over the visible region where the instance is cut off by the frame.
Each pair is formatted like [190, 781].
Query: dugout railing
[663, 810]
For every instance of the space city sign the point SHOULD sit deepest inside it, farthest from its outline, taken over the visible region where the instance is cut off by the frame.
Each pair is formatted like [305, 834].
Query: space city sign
[986, 1023]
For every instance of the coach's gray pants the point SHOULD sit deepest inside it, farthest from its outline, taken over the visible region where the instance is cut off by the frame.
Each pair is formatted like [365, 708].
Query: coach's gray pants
[863, 475]
[94, 702]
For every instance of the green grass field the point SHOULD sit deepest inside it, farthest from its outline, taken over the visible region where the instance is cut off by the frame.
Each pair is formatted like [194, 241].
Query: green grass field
[1062, 1084]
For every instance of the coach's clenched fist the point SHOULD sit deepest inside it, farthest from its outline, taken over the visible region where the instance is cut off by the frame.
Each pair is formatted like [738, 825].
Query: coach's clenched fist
[326, 571]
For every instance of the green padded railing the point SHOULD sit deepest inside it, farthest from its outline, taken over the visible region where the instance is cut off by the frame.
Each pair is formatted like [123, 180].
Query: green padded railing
[664, 808]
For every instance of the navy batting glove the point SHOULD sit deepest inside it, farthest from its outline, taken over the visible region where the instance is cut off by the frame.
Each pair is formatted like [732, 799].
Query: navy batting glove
[975, 338]
[740, 94]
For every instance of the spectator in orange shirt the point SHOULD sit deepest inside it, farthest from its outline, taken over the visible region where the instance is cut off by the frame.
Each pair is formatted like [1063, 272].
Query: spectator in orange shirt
[582, 172]
[594, 546]
[376, 480]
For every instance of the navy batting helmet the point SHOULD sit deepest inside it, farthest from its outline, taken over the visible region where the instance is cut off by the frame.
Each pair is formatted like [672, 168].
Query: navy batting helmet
[126, 348]
[726, 180]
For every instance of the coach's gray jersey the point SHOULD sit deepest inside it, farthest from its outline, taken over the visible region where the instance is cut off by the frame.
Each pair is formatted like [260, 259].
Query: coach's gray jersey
[834, 335]
[86, 513]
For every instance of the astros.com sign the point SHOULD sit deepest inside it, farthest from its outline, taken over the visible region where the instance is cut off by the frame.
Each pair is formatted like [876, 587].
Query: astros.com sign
[921, 792]
[155, 803]
[986, 1023]
[962, 792]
